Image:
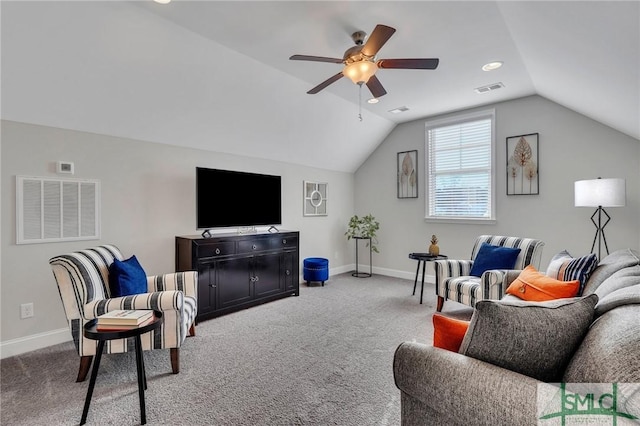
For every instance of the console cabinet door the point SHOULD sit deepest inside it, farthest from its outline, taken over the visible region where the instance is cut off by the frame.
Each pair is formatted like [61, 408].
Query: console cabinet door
[288, 260]
[235, 282]
[206, 287]
[266, 275]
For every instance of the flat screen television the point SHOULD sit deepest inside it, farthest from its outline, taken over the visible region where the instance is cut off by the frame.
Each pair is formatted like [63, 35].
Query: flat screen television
[226, 198]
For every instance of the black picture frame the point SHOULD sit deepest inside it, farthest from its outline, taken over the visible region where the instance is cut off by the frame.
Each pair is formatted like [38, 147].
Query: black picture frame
[522, 168]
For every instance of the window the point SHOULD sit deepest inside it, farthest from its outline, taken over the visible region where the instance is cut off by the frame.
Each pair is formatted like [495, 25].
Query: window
[460, 175]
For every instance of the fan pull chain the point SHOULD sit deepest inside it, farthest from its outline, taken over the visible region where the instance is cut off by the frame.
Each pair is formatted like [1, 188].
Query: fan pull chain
[360, 101]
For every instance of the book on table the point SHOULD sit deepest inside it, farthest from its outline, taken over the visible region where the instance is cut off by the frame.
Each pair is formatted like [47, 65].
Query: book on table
[120, 327]
[130, 317]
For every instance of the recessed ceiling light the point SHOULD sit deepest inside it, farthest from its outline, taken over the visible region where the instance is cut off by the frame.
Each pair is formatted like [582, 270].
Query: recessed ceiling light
[492, 66]
[373, 101]
[399, 110]
[163, 1]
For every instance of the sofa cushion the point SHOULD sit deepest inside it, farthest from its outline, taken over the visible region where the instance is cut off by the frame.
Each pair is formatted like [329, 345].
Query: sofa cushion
[535, 286]
[565, 267]
[448, 332]
[127, 277]
[609, 351]
[621, 288]
[493, 257]
[536, 339]
[609, 265]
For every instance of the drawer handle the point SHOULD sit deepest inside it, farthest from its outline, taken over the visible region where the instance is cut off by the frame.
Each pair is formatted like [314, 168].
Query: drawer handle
[212, 285]
[254, 246]
[288, 272]
[284, 241]
[217, 251]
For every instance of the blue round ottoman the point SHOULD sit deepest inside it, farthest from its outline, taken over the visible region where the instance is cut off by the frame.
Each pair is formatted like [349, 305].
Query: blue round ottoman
[315, 269]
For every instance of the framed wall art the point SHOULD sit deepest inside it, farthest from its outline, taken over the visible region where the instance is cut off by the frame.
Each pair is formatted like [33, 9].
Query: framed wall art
[407, 169]
[522, 165]
[315, 198]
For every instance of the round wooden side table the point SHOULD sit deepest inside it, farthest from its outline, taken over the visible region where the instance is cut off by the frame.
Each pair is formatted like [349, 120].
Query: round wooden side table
[91, 332]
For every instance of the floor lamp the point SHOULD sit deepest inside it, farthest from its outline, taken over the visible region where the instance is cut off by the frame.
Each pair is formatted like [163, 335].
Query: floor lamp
[600, 193]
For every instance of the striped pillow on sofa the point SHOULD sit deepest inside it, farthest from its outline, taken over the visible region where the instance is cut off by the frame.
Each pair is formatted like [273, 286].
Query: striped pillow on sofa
[565, 267]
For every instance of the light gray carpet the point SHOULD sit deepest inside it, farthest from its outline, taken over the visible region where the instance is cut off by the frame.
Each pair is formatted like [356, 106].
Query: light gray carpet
[323, 358]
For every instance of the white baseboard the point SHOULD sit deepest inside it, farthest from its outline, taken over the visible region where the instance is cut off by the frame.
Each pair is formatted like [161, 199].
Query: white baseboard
[395, 273]
[35, 341]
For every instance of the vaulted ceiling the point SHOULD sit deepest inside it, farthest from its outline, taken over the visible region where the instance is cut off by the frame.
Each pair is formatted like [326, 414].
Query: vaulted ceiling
[216, 75]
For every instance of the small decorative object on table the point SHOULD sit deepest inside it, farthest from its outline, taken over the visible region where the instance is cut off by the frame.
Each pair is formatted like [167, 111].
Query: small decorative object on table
[433, 248]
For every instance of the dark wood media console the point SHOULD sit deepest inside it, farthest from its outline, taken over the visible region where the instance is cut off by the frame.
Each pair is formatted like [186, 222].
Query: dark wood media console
[237, 271]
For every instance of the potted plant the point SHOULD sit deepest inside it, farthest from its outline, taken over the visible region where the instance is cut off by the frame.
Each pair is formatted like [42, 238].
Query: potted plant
[364, 227]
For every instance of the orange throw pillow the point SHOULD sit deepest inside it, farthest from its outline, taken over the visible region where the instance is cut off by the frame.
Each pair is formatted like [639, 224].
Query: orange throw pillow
[448, 332]
[534, 286]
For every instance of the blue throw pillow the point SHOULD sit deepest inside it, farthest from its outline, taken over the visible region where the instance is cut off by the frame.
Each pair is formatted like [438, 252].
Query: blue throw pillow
[493, 257]
[127, 277]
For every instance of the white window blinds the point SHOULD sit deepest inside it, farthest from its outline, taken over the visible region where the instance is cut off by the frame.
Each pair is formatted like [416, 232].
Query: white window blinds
[459, 167]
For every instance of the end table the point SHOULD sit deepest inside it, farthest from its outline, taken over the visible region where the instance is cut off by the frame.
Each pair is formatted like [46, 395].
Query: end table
[423, 258]
[91, 332]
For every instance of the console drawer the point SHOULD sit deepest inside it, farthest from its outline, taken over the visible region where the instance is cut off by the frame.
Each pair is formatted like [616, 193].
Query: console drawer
[284, 242]
[215, 249]
[256, 244]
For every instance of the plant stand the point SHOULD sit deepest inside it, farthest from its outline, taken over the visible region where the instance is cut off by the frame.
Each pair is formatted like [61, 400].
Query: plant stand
[358, 274]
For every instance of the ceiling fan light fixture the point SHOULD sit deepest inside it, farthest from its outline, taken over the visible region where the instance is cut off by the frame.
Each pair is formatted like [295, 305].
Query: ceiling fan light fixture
[360, 71]
[492, 66]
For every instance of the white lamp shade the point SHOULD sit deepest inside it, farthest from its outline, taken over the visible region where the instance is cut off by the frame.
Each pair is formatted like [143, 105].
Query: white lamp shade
[600, 192]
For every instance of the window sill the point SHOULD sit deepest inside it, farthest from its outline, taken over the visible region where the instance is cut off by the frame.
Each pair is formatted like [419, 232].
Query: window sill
[461, 221]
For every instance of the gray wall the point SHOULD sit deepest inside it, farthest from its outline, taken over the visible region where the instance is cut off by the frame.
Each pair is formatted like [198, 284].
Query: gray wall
[148, 197]
[572, 147]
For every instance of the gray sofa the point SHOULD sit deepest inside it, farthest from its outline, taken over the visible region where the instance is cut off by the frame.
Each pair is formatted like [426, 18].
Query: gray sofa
[441, 387]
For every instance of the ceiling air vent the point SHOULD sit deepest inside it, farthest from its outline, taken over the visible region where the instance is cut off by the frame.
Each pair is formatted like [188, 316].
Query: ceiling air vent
[398, 110]
[489, 88]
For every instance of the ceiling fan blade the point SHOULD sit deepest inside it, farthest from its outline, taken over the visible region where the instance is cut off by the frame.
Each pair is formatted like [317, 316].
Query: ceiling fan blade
[315, 59]
[380, 35]
[325, 83]
[410, 64]
[375, 87]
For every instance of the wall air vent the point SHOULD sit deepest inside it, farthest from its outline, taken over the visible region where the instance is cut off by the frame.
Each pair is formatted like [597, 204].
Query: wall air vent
[53, 209]
[489, 88]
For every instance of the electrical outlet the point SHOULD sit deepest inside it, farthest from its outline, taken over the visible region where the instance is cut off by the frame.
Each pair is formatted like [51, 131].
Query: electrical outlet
[26, 310]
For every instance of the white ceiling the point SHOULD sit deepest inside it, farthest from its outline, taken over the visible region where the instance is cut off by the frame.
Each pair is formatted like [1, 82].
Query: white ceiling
[216, 75]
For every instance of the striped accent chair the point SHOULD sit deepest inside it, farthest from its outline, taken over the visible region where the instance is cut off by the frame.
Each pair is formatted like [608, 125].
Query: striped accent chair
[83, 283]
[453, 281]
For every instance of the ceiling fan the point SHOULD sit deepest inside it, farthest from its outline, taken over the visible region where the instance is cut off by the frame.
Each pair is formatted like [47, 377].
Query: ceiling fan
[360, 63]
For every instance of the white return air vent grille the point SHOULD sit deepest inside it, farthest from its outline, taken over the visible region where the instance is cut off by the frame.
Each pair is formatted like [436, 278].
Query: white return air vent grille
[489, 88]
[52, 209]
